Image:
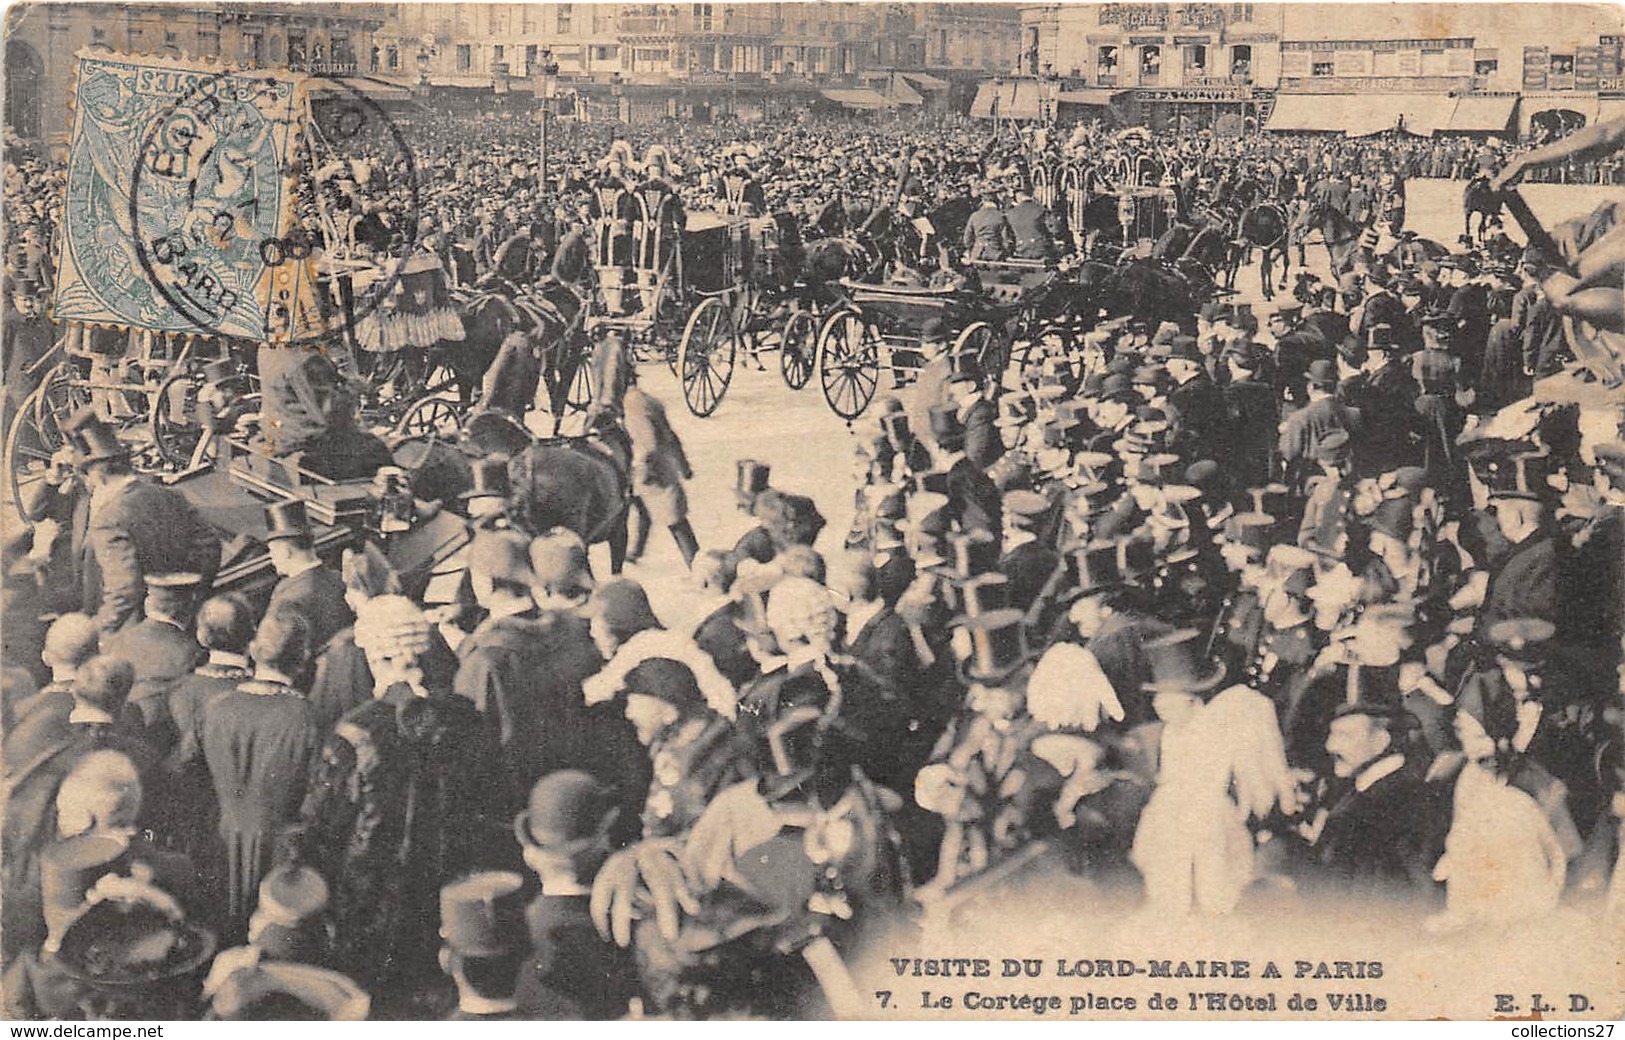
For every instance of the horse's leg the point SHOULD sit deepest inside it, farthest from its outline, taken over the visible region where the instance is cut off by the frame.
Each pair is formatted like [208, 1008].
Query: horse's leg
[616, 540]
[1264, 272]
[640, 540]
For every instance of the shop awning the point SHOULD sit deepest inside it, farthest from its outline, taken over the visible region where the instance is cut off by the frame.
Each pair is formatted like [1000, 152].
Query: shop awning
[378, 89]
[900, 93]
[1610, 108]
[1010, 99]
[1361, 114]
[1481, 114]
[1296, 113]
[860, 98]
[1099, 98]
[925, 81]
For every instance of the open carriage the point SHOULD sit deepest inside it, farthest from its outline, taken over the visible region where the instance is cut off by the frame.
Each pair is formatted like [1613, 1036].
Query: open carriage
[1024, 311]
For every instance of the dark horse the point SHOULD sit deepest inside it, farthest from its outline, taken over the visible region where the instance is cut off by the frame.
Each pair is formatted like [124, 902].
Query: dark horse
[1144, 289]
[579, 483]
[1477, 198]
[550, 319]
[1338, 233]
[1263, 225]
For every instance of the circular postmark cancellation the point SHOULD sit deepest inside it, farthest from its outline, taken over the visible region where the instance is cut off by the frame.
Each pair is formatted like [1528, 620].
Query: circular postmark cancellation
[270, 208]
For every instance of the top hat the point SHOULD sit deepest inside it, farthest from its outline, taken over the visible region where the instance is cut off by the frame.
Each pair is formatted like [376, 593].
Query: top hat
[1137, 557]
[1289, 311]
[894, 425]
[750, 479]
[1270, 499]
[998, 645]
[1381, 337]
[482, 915]
[1096, 567]
[287, 520]
[1094, 497]
[1514, 474]
[1253, 530]
[1176, 664]
[982, 594]
[92, 439]
[490, 478]
[970, 553]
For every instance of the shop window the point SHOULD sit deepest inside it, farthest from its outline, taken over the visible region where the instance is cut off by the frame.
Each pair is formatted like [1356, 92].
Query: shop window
[465, 57]
[296, 46]
[1320, 68]
[1150, 63]
[1486, 66]
[1196, 60]
[1241, 61]
[1106, 65]
[564, 18]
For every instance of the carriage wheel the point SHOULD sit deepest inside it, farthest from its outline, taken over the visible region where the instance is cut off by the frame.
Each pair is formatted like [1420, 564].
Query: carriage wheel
[798, 348]
[432, 415]
[33, 438]
[56, 400]
[174, 421]
[848, 363]
[706, 356]
[991, 351]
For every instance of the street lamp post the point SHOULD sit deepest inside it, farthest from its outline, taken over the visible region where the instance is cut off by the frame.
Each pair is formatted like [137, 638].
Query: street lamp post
[548, 84]
[617, 88]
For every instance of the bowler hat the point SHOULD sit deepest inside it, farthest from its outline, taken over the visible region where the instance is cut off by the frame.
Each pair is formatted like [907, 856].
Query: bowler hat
[1381, 337]
[482, 915]
[1323, 375]
[1184, 348]
[287, 520]
[567, 811]
[92, 439]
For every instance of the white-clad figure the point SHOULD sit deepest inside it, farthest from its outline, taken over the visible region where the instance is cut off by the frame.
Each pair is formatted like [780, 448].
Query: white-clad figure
[1220, 762]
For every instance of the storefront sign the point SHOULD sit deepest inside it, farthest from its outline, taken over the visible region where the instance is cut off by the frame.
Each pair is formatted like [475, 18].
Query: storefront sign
[1376, 84]
[1135, 16]
[1199, 40]
[1145, 41]
[1197, 94]
[1294, 63]
[1408, 63]
[1451, 43]
[1611, 84]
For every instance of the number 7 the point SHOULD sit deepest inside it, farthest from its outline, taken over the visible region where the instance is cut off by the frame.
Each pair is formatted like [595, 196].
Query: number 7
[884, 996]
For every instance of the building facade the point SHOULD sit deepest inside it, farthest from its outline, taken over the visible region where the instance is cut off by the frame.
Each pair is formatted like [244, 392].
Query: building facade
[695, 59]
[42, 40]
[1479, 68]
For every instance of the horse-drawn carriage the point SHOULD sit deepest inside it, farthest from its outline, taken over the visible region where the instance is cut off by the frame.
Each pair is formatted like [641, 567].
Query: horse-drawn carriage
[1025, 311]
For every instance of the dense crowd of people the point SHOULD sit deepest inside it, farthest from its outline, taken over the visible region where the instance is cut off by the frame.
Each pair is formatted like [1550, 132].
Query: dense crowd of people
[1331, 600]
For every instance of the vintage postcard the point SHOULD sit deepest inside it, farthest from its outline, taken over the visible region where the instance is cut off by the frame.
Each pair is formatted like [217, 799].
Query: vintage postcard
[911, 511]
